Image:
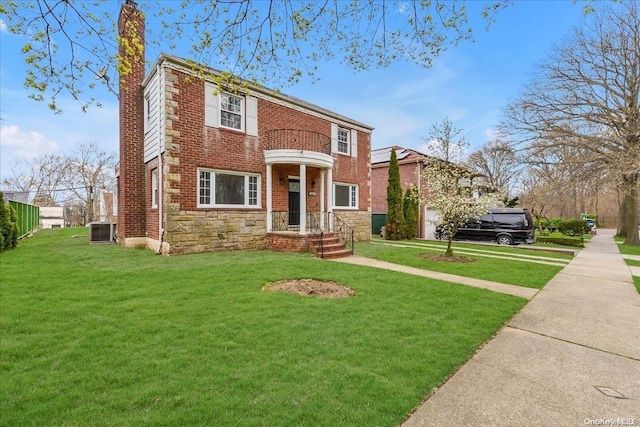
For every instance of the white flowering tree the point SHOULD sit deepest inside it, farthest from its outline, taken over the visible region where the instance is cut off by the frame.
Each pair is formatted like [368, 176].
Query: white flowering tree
[455, 192]
[450, 190]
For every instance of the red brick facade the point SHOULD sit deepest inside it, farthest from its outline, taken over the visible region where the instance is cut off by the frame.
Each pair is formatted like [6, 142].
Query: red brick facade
[131, 189]
[288, 243]
[411, 166]
[185, 142]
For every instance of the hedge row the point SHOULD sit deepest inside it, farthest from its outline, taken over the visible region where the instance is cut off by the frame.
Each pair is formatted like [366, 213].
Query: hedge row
[565, 241]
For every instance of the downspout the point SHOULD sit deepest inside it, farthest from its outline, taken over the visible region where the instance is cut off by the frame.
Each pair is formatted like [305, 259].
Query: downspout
[161, 134]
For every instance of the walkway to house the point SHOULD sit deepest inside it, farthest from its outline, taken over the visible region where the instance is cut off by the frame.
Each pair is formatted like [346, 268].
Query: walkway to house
[518, 291]
[571, 357]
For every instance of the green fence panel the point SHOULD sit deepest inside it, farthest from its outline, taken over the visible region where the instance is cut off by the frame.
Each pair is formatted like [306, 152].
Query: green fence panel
[28, 217]
[378, 220]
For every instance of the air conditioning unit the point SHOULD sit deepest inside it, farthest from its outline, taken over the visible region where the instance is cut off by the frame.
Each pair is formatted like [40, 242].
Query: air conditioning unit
[102, 232]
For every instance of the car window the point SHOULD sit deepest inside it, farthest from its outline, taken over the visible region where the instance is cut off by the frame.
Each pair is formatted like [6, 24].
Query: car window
[472, 224]
[486, 221]
[508, 220]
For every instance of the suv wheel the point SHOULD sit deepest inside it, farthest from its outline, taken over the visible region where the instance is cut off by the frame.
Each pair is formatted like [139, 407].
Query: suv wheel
[504, 240]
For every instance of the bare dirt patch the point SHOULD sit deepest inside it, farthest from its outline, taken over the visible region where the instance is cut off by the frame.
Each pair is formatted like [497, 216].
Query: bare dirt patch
[311, 287]
[443, 257]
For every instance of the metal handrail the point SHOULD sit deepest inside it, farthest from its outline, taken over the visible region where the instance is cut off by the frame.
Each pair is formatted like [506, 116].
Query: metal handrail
[317, 232]
[344, 232]
[280, 221]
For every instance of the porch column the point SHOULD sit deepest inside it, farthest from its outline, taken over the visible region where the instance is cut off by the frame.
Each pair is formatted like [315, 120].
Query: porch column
[321, 199]
[269, 201]
[303, 199]
[330, 197]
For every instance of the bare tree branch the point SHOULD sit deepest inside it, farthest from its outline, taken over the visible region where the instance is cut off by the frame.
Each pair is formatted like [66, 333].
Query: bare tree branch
[586, 97]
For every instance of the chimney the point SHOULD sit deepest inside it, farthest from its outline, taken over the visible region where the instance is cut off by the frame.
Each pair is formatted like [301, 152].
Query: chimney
[131, 182]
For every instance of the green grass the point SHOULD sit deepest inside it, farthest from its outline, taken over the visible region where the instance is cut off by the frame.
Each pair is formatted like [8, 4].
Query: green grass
[636, 279]
[627, 249]
[565, 253]
[632, 263]
[101, 335]
[515, 272]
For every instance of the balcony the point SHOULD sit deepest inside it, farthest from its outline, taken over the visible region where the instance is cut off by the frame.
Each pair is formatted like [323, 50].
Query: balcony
[298, 147]
[296, 139]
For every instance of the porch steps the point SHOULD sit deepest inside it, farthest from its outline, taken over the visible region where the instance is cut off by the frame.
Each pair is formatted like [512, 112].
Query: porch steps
[332, 247]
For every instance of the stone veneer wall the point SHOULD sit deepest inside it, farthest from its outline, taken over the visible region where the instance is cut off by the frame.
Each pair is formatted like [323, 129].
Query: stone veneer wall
[360, 221]
[212, 231]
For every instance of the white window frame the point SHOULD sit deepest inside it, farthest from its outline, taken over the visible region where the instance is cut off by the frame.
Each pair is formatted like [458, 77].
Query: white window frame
[154, 188]
[353, 195]
[147, 113]
[345, 133]
[241, 113]
[252, 182]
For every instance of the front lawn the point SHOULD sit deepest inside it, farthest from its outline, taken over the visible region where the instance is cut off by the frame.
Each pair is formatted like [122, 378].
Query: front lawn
[627, 249]
[636, 279]
[515, 272]
[101, 335]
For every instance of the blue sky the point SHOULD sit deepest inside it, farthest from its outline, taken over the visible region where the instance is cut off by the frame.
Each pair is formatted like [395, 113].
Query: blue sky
[469, 84]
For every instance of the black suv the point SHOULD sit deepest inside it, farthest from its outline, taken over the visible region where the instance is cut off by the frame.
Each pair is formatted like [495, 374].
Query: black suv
[505, 226]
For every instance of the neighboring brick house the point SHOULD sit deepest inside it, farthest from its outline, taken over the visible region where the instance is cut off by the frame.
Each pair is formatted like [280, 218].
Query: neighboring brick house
[202, 169]
[411, 166]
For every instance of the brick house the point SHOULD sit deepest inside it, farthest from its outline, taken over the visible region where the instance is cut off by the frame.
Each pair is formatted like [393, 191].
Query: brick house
[411, 166]
[204, 169]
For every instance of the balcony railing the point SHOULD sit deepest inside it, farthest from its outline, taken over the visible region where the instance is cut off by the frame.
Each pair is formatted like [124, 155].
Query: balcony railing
[296, 139]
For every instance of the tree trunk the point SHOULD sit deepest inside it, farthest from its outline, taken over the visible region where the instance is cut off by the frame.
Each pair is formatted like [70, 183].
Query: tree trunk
[449, 251]
[630, 220]
[621, 230]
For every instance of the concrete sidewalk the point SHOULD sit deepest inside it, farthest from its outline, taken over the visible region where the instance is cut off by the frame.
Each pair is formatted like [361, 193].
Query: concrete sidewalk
[571, 357]
[518, 291]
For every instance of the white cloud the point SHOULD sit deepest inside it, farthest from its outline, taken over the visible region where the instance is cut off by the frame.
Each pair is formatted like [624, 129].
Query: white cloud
[3, 26]
[433, 148]
[491, 134]
[25, 145]
[494, 134]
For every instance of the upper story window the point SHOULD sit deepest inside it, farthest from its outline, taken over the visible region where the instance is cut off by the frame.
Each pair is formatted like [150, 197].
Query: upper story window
[228, 189]
[231, 111]
[225, 110]
[343, 141]
[345, 195]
